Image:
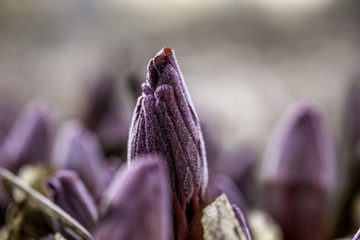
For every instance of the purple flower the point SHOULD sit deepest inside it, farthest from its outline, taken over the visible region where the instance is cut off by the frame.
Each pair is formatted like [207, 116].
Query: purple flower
[136, 204]
[165, 122]
[30, 139]
[77, 149]
[299, 173]
[69, 192]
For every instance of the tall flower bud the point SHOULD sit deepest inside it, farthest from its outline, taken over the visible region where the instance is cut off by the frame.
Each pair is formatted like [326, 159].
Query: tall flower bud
[30, 138]
[136, 204]
[165, 122]
[299, 173]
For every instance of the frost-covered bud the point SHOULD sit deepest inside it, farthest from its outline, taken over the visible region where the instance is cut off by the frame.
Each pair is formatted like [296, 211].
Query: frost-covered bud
[136, 205]
[165, 122]
[299, 173]
[30, 139]
[69, 192]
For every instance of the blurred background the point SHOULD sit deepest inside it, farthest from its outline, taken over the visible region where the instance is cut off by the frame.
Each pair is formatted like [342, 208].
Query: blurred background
[244, 61]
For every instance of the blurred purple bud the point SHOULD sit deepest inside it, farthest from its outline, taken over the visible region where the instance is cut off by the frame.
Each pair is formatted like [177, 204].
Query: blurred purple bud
[239, 215]
[240, 165]
[350, 167]
[352, 119]
[299, 171]
[104, 115]
[211, 146]
[165, 122]
[136, 205]
[7, 115]
[69, 192]
[357, 235]
[220, 183]
[30, 139]
[99, 99]
[77, 149]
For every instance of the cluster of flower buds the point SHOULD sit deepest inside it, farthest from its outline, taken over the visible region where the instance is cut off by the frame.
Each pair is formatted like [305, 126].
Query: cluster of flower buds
[71, 188]
[162, 193]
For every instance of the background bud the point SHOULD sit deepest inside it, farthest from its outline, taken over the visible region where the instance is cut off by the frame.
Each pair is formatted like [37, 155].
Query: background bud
[30, 138]
[136, 204]
[299, 173]
[78, 149]
[68, 191]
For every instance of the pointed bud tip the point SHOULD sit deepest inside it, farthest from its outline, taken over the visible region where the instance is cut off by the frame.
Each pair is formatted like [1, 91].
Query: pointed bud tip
[164, 55]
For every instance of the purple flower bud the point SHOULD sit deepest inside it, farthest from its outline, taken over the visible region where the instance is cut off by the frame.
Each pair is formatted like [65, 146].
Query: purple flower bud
[239, 164]
[30, 139]
[69, 192]
[136, 204]
[104, 115]
[357, 235]
[352, 119]
[165, 122]
[299, 172]
[351, 164]
[239, 215]
[77, 149]
[100, 96]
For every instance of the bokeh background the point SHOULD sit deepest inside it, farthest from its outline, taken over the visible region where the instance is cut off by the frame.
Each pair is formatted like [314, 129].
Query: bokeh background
[244, 61]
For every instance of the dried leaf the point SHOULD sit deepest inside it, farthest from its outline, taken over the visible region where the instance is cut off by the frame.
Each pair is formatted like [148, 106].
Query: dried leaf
[220, 222]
